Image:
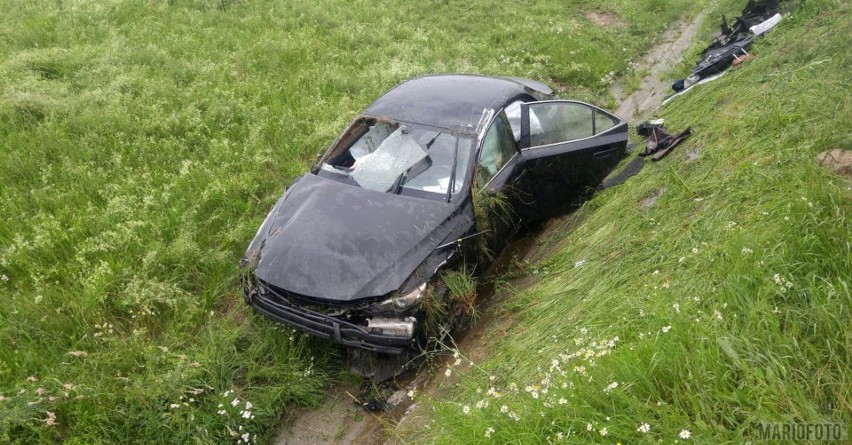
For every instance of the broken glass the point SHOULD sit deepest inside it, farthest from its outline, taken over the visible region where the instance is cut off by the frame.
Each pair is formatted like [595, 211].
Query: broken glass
[381, 169]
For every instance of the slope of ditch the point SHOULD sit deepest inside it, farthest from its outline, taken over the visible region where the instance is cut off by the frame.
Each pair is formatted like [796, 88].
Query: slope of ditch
[340, 419]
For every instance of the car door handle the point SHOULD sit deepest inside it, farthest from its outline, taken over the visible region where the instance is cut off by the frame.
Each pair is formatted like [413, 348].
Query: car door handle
[605, 153]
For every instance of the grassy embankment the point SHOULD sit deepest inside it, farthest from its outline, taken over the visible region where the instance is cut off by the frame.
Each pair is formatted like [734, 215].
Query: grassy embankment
[142, 143]
[709, 293]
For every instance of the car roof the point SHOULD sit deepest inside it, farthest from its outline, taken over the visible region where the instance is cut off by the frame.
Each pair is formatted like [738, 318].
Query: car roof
[452, 101]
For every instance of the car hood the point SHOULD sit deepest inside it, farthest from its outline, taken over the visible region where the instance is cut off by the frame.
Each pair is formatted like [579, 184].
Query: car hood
[334, 241]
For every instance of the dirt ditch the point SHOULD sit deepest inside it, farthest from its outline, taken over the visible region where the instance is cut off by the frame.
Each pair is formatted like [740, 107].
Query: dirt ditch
[654, 87]
[341, 420]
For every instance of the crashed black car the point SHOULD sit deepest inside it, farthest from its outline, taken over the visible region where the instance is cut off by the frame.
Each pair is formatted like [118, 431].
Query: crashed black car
[352, 248]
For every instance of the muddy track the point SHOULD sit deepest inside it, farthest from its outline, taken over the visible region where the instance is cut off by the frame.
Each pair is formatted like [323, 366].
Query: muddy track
[669, 52]
[340, 418]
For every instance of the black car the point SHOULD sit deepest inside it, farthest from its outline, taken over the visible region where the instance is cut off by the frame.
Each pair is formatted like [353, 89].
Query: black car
[352, 248]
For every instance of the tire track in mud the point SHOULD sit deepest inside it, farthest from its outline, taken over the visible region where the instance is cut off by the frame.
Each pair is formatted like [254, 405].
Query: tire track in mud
[340, 418]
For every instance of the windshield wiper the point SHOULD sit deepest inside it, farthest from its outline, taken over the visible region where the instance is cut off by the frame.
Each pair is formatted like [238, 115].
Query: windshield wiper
[452, 185]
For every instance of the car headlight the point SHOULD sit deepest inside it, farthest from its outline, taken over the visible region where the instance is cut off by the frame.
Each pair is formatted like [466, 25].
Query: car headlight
[400, 302]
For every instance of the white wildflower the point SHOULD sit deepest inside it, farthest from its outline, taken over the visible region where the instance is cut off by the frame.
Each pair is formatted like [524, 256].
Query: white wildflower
[644, 428]
[603, 432]
[684, 434]
[666, 329]
[747, 251]
[676, 307]
[466, 409]
[489, 431]
[448, 372]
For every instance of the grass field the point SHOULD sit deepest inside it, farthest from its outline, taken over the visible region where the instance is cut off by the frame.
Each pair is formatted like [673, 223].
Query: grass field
[708, 294]
[142, 143]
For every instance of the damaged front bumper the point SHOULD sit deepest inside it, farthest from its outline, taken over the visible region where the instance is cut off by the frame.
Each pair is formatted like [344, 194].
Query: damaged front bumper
[381, 334]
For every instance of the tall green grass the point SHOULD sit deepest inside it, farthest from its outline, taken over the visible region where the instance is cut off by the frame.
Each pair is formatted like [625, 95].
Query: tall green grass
[142, 143]
[722, 303]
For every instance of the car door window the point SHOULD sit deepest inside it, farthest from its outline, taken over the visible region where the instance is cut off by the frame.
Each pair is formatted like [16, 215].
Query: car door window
[560, 121]
[498, 147]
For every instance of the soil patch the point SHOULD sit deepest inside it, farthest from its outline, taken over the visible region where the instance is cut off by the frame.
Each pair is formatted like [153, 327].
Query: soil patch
[605, 19]
[837, 160]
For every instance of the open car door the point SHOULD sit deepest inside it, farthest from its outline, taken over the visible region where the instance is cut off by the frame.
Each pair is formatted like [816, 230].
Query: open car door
[567, 148]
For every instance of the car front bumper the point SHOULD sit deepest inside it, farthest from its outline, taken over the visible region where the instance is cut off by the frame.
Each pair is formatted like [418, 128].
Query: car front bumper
[278, 308]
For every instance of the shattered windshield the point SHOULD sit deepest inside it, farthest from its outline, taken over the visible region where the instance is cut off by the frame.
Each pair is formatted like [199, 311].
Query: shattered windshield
[395, 158]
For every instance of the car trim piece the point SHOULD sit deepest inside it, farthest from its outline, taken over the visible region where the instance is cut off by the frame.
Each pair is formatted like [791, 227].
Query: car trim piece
[606, 138]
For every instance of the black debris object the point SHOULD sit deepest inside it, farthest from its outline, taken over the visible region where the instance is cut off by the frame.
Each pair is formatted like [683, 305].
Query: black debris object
[632, 169]
[661, 142]
[644, 129]
[733, 41]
